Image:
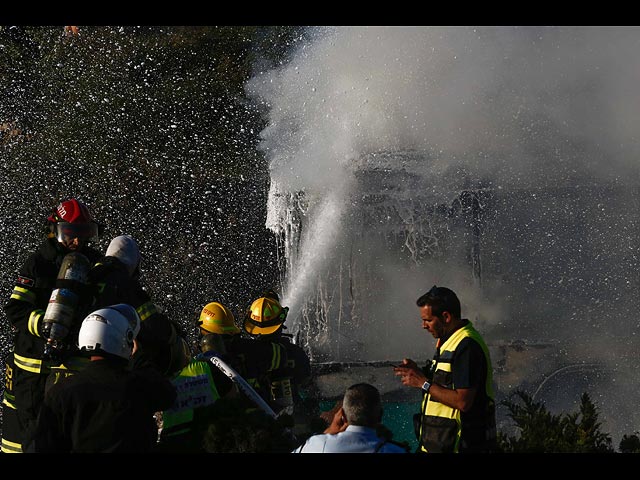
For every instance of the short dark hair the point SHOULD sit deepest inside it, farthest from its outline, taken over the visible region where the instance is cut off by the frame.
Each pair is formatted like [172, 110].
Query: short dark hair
[362, 405]
[441, 299]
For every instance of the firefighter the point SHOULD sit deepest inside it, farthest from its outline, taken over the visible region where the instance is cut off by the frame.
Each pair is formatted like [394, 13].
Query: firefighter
[260, 366]
[71, 228]
[264, 322]
[259, 363]
[199, 386]
[105, 407]
[116, 277]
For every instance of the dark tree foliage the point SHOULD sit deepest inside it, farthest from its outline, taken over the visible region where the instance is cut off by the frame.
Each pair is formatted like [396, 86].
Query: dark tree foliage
[630, 443]
[542, 432]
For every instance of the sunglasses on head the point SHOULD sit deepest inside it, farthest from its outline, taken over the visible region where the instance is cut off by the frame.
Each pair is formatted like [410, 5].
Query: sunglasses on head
[434, 291]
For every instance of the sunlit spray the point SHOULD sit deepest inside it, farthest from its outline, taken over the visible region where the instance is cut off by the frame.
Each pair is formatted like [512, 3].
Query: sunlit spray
[316, 244]
[539, 125]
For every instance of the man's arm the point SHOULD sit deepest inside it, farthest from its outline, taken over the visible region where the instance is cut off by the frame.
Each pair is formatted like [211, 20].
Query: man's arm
[458, 398]
[466, 375]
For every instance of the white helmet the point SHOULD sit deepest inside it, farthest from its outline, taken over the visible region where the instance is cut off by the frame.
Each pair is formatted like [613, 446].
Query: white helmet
[110, 330]
[125, 249]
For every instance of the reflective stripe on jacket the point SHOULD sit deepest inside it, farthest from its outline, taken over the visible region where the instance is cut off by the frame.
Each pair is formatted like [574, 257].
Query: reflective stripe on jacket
[441, 425]
[196, 389]
[29, 299]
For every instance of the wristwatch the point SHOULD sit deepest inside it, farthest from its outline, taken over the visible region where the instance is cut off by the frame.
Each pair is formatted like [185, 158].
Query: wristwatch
[425, 387]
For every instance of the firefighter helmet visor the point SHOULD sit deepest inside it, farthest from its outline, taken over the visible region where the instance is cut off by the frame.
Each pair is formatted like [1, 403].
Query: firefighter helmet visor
[83, 231]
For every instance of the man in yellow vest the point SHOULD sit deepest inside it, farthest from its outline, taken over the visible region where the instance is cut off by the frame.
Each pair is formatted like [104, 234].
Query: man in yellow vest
[458, 403]
[199, 386]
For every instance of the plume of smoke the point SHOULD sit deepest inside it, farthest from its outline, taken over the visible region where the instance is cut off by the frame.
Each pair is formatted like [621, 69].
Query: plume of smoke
[550, 112]
[506, 103]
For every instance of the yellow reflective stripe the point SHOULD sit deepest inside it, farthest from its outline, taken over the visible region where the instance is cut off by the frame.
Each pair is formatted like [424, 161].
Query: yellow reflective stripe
[146, 310]
[275, 357]
[20, 293]
[438, 409]
[34, 322]
[9, 401]
[10, 447]
[33, 365]
[445, 367]
[279, 362]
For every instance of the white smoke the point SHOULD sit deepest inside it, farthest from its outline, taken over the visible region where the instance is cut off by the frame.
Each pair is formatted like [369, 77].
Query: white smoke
[515, 108]
[482, 98]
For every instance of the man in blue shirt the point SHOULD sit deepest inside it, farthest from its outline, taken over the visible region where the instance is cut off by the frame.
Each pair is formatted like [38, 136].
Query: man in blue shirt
[354, 426]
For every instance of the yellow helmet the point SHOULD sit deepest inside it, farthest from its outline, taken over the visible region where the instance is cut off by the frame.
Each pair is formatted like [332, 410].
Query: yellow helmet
[265, 316]
[216, 318]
